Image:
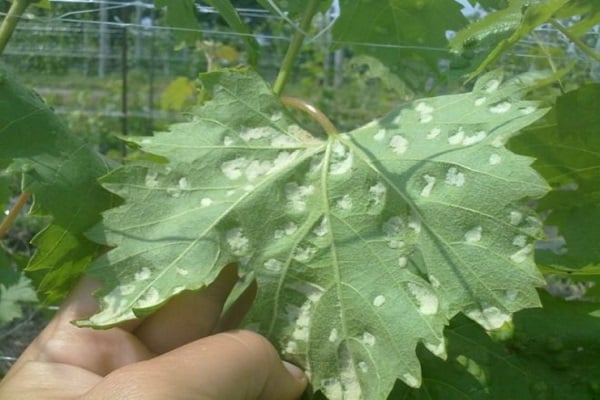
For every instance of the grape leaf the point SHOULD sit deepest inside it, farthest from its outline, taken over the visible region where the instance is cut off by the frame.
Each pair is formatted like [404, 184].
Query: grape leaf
[553, 354]
[62, 177]
[11, 297]
[567, 148]
[362, 244]
[500, 30]
[182, 16]
[400, 33]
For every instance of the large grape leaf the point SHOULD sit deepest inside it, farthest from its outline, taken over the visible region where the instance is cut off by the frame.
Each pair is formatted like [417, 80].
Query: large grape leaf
[567, 148]
[363, 244]
[500, 30]
[404, 34]
[553, 354]
[62, 173]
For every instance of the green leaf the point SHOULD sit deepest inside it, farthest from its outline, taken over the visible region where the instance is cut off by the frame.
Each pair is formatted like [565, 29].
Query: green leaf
[363, 244]
[11, 297]
[567, 148]
[182, 16]
[231, 16]
[62, 176]
[553, 354]
[400, 33]
[500, 30]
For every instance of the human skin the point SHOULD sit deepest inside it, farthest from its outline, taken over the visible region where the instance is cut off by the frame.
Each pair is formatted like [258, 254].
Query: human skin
[183, 352]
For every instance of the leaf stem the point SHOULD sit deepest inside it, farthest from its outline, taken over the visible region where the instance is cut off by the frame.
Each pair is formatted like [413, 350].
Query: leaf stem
[13, 213]
[313, 111]
[287, 64]
[582, 46]
[11, 20]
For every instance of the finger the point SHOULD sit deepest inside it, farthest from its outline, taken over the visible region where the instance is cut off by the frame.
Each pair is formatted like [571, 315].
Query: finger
[238, 365]
[188, 316]
[97, 351]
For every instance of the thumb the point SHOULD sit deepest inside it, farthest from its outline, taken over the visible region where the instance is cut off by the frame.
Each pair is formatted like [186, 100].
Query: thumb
[236, 365]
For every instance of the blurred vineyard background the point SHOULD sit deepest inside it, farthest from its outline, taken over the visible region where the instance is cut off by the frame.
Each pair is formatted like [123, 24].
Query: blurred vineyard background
[115, 68]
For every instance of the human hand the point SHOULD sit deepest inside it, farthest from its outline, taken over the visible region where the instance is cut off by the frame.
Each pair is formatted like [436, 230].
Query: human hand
[174, 354]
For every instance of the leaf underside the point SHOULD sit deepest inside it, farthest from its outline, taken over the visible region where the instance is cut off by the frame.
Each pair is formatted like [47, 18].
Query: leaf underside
[363, 244]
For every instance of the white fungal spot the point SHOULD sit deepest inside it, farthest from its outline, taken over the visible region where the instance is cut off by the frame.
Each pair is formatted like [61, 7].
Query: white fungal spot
[276, 116]
[297, 195]
[480, 101]
[424, 108]
[233, 169]
[380, 135]
[515, 217]
[489, 317]
[424, 111]
[205, 202]
[427, 301]
[256, 169]
[519, 241]
[143, 274]
[455, 178]
[248, 188]
[273, 265]
[291, 347]
[237, 241]
[283, 159]
[282, 141]
[257, 133]
[433, 133]
[342, 159]
[402, 262]
[429, 183]
[379, 300]
[333, 335]
[288, 229]
[500, 108]
[368, 339]
[182, 271]
[125, 290]
[434, 281]
[492, 85]
[322, 228]
[151, 179]
[499, 141]
[528, 110]
[522, 255]
[304, 254]
[457, 137]
[150, 298]
[227, 141]
[399, 144]
[345, 203]
[332, 388]
[363, 366]
[475, 138]
[230, 193]
[473, 235]
[414, 223]
[438, 350]
[495, 159]
[377, 193]
[411, 380]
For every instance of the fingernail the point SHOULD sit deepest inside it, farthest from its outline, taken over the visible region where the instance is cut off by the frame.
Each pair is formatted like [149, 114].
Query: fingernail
[294, 370]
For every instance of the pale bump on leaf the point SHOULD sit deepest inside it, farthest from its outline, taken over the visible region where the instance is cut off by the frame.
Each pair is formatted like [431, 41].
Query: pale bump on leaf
[363, 245]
